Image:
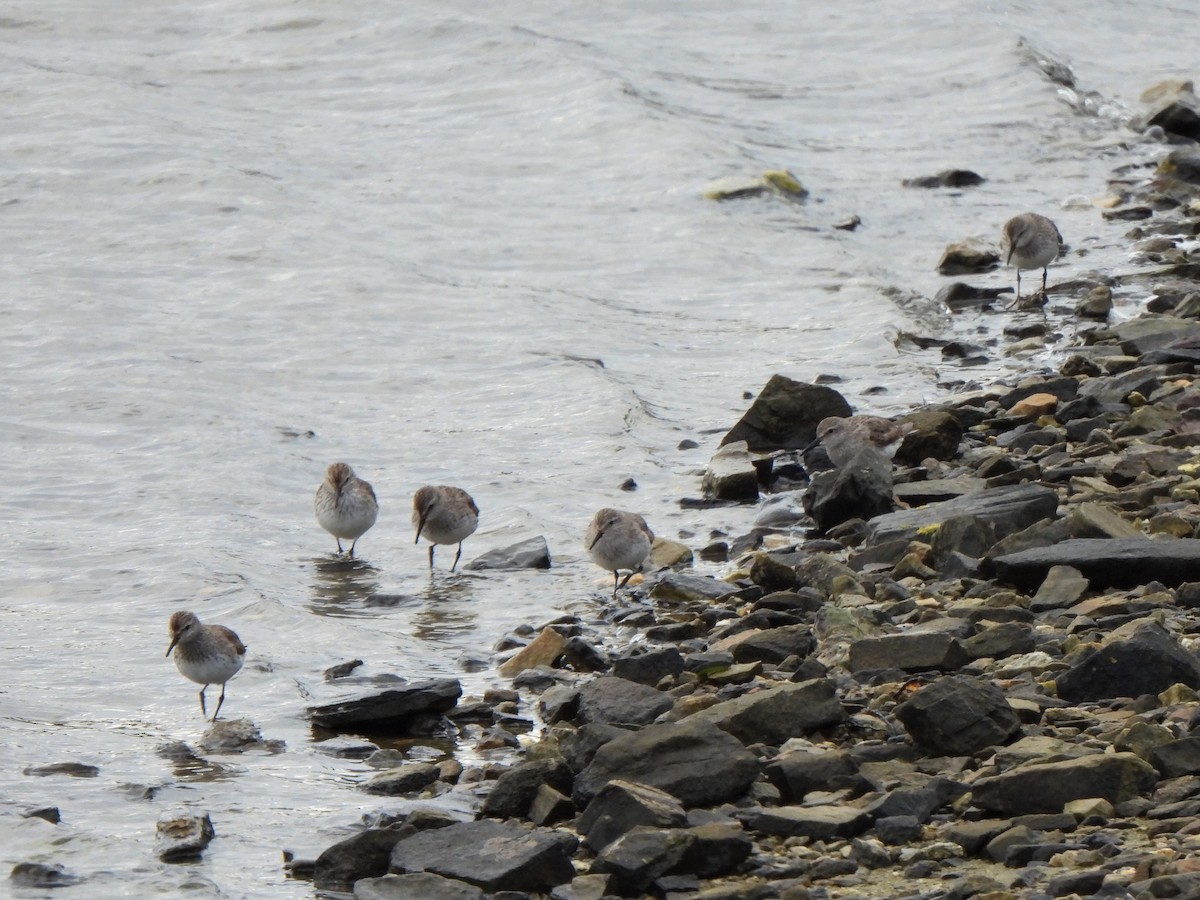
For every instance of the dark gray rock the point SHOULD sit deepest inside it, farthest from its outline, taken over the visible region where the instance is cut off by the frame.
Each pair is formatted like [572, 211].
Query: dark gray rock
[912, 651]
[821, 823]
[421, 885]
[364, 855]
[695, 761]
[582, 656]
[1179, 757]
[685, 587]
[773, 715]
[405, 779]
[774, 645]
[1007, 509]
[514, 791]
[935, 433]
[549, 806]
[1047, 787]
[391, 710]
[1147, 662]
[620, 806]
[1105, 563]
[39, 876]
[860, 489]
[785, 414]
[718, 849]
[959, 715]
[795, 774]
[1001, 640]
[648, 666]
[72, 769]
[608, 700]
[181, 835]
[491, 855]
[918, 801]
[579, 746]
[636, 859]
[731, 475]
[897, 830]
[1063, 586]
[529, 554]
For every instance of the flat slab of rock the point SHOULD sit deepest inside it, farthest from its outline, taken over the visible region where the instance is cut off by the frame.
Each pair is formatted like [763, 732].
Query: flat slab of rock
[1007, 509]
[541, 651]
[1105, 562]
[694, 761]
[531, 554]
[391, 709]
[182, 836]
[774, 715]
[491, 855]
[785, 414]
[1047, 787]
[405, 779]
[615, 701]
[424, 885]
[914, 651]
[821, 823]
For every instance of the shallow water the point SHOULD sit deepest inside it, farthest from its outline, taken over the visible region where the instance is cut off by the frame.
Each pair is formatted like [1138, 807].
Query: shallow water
[445, 244]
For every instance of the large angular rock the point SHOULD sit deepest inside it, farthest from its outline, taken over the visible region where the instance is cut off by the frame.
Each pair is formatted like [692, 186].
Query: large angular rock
[620, 806]
[1105, 562]
[821, 823]
[694, 761]
[405, 779]
[795, 774]
[1178, 757]
[860, 489]
[773, 715]
[785, 414]
[731, 474]
[912, 651]
[774, 645]
[1147, 662]
[514, 791]
[421, 885]
[637, 858]
[1047, 787]
[529, 554]
[364, 855]
[959, 715]
[608, 700]
[491, 855]
[391, 710]
[648, 665]
[1006, 509]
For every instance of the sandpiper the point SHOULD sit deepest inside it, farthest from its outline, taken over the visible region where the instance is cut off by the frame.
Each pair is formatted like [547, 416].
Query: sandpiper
[618, 540]
[205, 654]
[844, 436]
[445, 515]
[1033, 242]
[345, 505]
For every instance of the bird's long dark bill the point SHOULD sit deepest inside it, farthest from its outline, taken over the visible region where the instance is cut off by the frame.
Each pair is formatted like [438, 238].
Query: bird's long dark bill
[172, 647]
[420, 528]
[596, 540]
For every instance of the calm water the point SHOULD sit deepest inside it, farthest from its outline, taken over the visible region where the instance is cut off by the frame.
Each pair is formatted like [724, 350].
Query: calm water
[448, 244]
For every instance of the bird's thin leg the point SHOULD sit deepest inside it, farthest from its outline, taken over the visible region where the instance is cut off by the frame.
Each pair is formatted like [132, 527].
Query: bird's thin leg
[457, 556]
[352, 548]
[203, 709]
[339, 543]
[219, 702]
[431, 546]
[616, 576]
[1018, 285]
[1044, 280]
[632, 572]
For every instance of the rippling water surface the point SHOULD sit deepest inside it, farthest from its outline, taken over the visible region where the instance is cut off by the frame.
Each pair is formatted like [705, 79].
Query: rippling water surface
[452, 244]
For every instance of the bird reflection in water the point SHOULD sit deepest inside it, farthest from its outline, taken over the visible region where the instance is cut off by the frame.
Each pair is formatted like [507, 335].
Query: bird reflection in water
[448, 610]
[344, 586]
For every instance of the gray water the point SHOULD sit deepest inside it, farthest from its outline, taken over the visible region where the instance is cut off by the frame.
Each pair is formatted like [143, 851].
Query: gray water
[445, 244]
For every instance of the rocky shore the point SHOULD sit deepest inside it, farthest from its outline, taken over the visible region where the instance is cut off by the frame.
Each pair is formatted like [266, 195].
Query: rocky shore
[973, 674]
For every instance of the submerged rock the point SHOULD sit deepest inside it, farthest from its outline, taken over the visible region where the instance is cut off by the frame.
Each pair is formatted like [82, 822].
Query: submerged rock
[389, 710]
[181, 836]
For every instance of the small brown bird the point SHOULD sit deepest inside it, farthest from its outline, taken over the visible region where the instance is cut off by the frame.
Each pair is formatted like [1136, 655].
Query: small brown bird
[618, 540]
[1033, 242]
[843, 437]
[345, 505]
[445, 515]
[205, 654]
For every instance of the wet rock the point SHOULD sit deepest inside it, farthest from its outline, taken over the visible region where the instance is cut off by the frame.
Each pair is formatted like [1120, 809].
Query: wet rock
[967, 257]
[405, 779]
[1179, 116]
[912, 651]
[582, 656]
[74, 770]
[490, 855]
[947, 178]
[529, 554]
[682, 587]
[1047, 787]
[181, 836]
[39, 876]
[620, 806]
[514, 791]
[541, 651]
[785, 414]
[731, 474]
[1006, 509]
[773, 715]
[860, 489]
[364, 855]
[615, 701]
[391, 710]
[1113, 562]
[648, 665]
[49, 814]
[236, 736]
[934, 434]
[695, 761]
[1146, 662]
[958, 715]
[421, 885]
